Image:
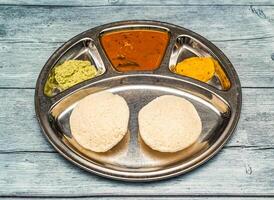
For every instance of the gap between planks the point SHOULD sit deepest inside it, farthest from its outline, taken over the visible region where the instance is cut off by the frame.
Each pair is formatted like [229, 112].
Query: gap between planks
[162, 196]
[256, 148]
[61, 42]
[136, 5]
[32, 88]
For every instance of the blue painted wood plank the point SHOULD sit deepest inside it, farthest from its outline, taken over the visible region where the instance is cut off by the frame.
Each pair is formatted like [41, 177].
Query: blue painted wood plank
[57, 24]
[135, 2]
[26, 36]
[20, 131]
[20, 63]
[235, 171]
[147, 198]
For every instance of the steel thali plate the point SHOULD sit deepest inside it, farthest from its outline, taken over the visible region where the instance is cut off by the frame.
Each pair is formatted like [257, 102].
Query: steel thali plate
[131, 159]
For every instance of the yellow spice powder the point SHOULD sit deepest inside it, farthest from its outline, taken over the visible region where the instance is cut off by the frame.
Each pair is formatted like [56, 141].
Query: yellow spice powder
[200, 68]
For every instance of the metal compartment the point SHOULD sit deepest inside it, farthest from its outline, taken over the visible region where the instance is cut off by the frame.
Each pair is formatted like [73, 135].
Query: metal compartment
[126, 31]
[187, 47]
[83, 49]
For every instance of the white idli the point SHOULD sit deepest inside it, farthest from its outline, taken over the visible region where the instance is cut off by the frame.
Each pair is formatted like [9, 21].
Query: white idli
[169, 124]
[99, 121]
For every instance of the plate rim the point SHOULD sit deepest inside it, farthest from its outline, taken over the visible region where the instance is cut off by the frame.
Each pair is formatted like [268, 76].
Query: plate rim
[133, 176]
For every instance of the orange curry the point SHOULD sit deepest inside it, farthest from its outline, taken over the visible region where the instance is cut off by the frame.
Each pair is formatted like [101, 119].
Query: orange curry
[135, 50]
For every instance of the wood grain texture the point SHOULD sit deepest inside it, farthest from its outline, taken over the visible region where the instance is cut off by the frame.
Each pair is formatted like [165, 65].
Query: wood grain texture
[29, 35]
[58, 24]
[135, 2]
[31, 30]
[145, 198]
[20, 130]
[234, 171]
[20, 63]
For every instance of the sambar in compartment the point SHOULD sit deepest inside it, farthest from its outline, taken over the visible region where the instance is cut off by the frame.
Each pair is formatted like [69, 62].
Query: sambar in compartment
[136, 49]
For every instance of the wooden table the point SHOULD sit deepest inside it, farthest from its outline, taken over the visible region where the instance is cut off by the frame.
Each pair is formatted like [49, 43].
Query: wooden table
[30, 31]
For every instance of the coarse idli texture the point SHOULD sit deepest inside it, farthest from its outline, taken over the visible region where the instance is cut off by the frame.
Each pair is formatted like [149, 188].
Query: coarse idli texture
[100, 121]
[169, 123]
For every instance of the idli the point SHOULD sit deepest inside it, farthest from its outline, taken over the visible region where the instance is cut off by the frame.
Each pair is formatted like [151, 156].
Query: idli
[169, 124]
[99, 121]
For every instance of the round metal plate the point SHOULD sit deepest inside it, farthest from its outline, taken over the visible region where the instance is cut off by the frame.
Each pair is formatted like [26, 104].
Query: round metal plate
[131, 159]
